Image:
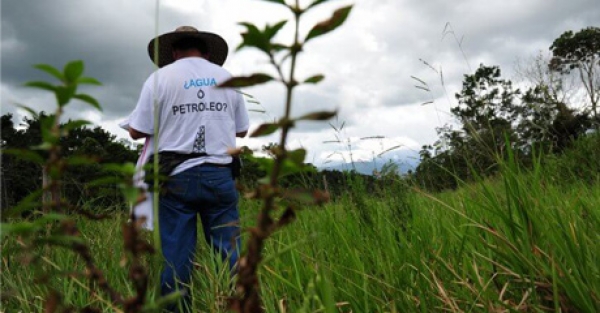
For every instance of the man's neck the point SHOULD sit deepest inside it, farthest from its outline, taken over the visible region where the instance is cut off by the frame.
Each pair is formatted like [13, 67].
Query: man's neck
[190, 54]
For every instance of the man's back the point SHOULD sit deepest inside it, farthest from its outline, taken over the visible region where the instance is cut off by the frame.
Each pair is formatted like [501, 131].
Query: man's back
[194, 115]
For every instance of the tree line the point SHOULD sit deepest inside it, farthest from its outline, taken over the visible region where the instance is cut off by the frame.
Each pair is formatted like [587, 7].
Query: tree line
[22, 176]
[496, 119]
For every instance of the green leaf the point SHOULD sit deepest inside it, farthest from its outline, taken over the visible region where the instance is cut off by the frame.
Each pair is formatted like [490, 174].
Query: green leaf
[25, 154]
[108, 180]
[163, 301]
[125, 168]
[265, 164]
[41, 85]
[62, 240]
[88, 81]
[130, 193]
[253, 37]
[265, 129]
[73, 71]
[314, 79]
[43, 146]
[32, 200]
[325, 289]
[271, 31]
[81, 160]
[277, 1]
[50, 70]
[21, 228]
[278, 47]
[297, 156]
[290, 167]
[64, 94]
[324, 27]
[318, 116]
[315, 3]
[74, 124]
[89, 99]
[246, 81]
[29, 110]
[50, 217]
[48, 137]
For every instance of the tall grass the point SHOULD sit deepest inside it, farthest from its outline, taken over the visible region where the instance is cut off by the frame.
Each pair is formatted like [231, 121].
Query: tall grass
[519, 242]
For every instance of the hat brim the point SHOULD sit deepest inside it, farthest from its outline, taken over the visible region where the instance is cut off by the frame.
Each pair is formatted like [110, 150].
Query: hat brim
[217, 47]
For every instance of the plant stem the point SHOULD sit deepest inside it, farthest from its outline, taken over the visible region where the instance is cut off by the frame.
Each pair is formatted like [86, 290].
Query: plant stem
[248, 280]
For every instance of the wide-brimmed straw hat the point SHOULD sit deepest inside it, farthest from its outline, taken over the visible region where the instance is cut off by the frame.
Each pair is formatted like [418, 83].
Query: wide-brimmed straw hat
[217, 47]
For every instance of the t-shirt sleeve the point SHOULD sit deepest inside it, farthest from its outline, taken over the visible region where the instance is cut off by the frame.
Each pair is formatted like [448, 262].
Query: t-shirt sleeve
[242, 121]
[125, 123]
[142, 117]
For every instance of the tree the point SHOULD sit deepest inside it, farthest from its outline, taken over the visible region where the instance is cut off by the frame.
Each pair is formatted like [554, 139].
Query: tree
[535, 72]
[548, 124]
[8, 130]
[580, 52]
[492, 113]
[20, 177]
[487, 109]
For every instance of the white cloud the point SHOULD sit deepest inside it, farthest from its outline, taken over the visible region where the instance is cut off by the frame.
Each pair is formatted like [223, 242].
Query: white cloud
[367, 63]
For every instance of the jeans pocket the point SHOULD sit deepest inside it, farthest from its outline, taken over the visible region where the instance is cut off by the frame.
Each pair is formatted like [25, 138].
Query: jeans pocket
[225, 191]
[177, 186]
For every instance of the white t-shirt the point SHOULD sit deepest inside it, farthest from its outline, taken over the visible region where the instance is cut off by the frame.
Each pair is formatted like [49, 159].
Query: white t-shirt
[194, 116]
[144, 208]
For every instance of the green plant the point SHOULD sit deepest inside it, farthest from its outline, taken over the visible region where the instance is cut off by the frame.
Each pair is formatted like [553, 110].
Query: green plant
[53, 225]
[283, 58]
[580, 51]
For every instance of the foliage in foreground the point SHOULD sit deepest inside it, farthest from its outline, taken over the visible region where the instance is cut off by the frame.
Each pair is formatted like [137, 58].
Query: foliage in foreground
[279, 205]
[38, 237]
[52, 225]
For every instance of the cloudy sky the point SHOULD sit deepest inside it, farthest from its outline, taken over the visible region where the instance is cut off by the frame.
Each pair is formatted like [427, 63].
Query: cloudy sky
[370, 64]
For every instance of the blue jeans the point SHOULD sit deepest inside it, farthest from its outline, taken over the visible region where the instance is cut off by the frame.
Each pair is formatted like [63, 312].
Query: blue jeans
[207, 191]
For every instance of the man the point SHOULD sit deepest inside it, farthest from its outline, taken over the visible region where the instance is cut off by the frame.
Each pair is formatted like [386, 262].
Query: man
[193, 117]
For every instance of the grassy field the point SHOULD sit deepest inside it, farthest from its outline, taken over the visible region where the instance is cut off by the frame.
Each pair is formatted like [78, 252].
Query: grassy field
[518, 243]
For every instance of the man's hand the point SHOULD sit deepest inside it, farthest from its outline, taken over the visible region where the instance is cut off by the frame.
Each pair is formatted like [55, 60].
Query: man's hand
[135, 134]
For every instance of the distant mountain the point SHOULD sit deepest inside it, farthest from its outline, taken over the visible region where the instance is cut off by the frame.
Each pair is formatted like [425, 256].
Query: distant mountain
[406, 160]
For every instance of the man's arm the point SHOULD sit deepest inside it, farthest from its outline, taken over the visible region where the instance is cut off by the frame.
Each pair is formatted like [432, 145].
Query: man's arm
[141, 120]
[135, 134]
[242, 121]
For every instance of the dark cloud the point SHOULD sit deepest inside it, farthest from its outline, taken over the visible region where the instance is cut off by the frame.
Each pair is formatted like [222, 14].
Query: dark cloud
[109, 36]
[368, 63]
[500, 31]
